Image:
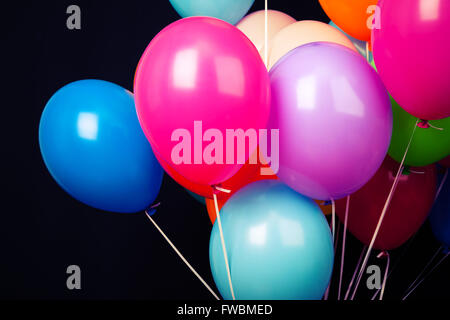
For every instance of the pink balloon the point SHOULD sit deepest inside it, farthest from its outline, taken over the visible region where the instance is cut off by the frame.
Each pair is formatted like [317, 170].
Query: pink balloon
[200, 69]
[411, 53]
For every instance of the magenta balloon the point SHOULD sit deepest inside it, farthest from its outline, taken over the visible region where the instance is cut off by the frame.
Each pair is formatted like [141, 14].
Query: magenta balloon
[334, 117]
[411, 53]
[200, 69]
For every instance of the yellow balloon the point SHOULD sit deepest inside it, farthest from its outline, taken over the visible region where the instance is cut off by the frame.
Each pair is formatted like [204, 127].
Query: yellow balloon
[303, 32]
[253, 26]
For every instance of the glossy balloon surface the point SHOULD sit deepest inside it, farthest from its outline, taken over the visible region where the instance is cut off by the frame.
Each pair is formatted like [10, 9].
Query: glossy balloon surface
[412, 55]
[334, 119]
[93, 146]
[408, 209]
[279, 245]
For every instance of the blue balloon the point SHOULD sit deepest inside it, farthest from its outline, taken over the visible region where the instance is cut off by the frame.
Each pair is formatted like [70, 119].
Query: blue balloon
[94, 147]
[230, 11]
[279, 245]
[440, 215]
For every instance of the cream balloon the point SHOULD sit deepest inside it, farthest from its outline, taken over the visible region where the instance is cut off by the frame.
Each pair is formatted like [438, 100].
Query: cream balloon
[303, 32]
[253, 26]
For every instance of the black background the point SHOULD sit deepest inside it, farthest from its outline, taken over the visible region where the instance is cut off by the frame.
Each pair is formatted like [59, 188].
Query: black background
[43, 230]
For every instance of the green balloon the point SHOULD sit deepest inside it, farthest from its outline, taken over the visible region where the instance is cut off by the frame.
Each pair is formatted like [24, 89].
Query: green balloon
[429, 145]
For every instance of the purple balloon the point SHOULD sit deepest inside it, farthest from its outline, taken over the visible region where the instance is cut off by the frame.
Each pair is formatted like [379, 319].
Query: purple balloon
[334, 119]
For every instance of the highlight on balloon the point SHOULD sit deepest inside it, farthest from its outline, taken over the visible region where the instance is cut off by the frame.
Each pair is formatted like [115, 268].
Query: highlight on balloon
[299, 139]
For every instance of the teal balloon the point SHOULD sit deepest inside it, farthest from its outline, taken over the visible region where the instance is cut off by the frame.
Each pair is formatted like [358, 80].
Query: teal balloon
[94, 147]
[197, 197]
[230, 11]
[278, 242]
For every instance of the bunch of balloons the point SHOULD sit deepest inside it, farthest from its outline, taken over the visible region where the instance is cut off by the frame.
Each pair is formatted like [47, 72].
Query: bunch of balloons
[215, 72]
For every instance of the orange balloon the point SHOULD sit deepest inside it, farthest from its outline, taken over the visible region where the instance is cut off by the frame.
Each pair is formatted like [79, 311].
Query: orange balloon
[326, 208]
[303, 32]
[253, 26]
[352, 16]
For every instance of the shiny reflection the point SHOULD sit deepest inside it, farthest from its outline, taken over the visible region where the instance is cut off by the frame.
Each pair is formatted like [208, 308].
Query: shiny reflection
[87, 125]
[291, 231]
[185, 69]
[230, 76]
[257, 234]
[340, 86]
[306, 93]
[429, 9]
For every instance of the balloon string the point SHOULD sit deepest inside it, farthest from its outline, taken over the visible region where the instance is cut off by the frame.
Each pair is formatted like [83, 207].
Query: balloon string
[425, 124]
[388, 262]
[367, 52]
[222, 189]
[383, 213]
[424, 269]
[333, 220]
[354, 273]
[411, 241]
[180, 255]
[266, 41]
[441, 185]
[397, 261]
[344, 236]
[224, 249]
[426, 276]
[333, 231]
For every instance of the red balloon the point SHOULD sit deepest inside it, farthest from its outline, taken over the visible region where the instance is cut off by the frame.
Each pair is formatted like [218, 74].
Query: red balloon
[409, 207]
[247, 173]
[445, 162]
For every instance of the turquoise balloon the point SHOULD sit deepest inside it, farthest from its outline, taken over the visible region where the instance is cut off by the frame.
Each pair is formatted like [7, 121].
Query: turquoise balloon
[360, 45]
[279, 245]
[197, 197]
[230, 11]
[95, 149]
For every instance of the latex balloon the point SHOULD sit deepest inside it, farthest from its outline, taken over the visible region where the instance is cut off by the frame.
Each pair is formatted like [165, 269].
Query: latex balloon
[245, 175]
[440, 215]
[253, 26]
[303, 32]
[411, 33]
[445, 162]
[200, 75]
[230, 11]
[94, 148]
[428, 145]
[334, 117]
[352, 16]
[360, 45]
[408, 209]
[210, 207]
[279, 245]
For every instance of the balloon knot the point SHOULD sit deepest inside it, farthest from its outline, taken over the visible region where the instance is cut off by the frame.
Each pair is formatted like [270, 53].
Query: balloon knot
[152, 209]
[383, 254]
[217, 188]
[423, 124]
